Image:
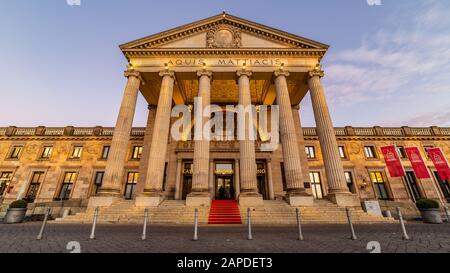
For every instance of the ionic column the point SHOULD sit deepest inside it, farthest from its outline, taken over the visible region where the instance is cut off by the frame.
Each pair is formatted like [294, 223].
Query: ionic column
[199, 194]
[112, 182]
[327, 137]
[249, 188]
[152, 195]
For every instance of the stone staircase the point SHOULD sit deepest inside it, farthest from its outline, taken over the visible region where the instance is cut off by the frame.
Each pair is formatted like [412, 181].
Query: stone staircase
[278, 212]
[274, 212]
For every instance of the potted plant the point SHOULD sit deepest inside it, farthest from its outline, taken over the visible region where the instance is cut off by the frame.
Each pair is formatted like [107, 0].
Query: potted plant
[16, 212]
[429, 209]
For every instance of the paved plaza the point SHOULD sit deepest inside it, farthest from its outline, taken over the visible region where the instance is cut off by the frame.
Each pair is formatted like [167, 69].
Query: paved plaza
[224, 239]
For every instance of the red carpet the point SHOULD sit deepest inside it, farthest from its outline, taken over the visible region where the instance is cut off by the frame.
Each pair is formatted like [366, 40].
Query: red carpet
[224, 212]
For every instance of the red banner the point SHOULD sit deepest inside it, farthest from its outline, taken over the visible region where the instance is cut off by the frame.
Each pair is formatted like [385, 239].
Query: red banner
[417, 162]
[393, 161]
[440, 163]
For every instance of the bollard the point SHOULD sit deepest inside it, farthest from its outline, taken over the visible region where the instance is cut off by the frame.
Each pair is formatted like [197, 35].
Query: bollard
[44, 223]
[195, 225]
[299, 224]
[250, 237]
[352, 230]
[447, 212]
[402, 223]
[144, 230]
[94, 223]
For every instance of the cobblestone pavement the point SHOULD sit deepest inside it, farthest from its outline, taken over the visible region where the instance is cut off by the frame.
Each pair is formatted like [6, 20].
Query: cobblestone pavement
[178, 239]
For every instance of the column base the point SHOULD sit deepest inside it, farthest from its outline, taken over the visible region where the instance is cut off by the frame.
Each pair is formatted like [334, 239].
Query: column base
[300, 200]
[251, 200]
[344, 199]
[102, 201]
[198, 200]
[149, 201]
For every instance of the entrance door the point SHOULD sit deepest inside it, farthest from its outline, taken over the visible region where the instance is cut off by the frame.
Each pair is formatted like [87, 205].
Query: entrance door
[188, 170]
[261, 180]
[316, 185]
[130, 186]
[413, 187]
[224, 187]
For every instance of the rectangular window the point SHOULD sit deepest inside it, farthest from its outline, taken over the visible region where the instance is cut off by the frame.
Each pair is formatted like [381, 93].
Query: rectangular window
[98, 180]
[425, 148]
[67, 185]
[310, 152]
[401, 151]
[16, 151]
[316, 185]
[136, 153]
[5, 180]
[47, 152]
[105, 152]
[130, 186]
[342, 152]
[76, 152]
[35, 184]
[379, 185]
[369, 151]
[349, 180]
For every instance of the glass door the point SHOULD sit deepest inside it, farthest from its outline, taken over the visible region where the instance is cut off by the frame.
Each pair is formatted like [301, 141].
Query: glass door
[316, 185]
[130, 186]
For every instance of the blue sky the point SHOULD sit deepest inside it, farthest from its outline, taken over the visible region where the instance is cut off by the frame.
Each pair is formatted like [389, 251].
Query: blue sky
[388, 65]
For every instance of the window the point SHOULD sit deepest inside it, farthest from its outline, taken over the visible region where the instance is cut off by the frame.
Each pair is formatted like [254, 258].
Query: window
[369, 151]
[76, 152]
[98, 180]
[426, 147]
[67, 185]
[349, 180]
[401, 151]
[15, 153]
[130, 186]
[136, 153]
[379, 185]
[35, 183]
[105, 152]
[316, 185]
[413, 188]
[47, 152]
[5, 179]
[342, 152]
[444, 185]
[310, 152]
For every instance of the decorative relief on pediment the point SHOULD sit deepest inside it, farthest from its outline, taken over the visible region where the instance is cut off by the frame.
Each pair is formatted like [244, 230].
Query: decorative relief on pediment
[224, 36]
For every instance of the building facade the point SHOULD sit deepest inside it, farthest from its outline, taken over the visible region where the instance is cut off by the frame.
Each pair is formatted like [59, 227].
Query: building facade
[224, 60]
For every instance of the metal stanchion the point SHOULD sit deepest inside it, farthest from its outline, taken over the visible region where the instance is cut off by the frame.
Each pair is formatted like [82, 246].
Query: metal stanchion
[94, 223]
[144, 230]
[447, 212]
[195, 226]
[402, 223]
[352, 230]
[250, 236]
[299, 225]
[44, 223]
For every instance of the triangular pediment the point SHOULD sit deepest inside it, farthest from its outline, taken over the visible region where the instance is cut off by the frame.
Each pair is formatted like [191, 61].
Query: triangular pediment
[223, 31]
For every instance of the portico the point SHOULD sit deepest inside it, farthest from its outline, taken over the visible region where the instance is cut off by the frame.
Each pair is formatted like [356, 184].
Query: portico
[224, 60]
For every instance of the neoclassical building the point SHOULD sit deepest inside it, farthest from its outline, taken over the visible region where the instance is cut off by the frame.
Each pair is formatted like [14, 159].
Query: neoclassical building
[224, 60]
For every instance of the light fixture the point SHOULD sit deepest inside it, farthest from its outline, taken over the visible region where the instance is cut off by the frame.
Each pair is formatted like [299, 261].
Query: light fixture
[318, 67]
[282, 66]
[130, 66]
[166, 66]
[244, 66]
[204, 66]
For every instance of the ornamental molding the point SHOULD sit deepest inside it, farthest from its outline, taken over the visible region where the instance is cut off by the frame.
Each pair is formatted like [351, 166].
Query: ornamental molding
[223, 36]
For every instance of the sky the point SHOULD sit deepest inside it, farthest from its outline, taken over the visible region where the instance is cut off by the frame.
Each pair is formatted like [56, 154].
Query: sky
[388, 64]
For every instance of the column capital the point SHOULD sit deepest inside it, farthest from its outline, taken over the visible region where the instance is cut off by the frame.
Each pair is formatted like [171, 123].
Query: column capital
[244, 73]
[133, 73]
[317, 71]
[281, 73]
[167, 73]
[204, 73]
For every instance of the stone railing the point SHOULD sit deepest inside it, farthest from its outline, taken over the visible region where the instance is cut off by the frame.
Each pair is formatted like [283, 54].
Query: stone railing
[140, 131]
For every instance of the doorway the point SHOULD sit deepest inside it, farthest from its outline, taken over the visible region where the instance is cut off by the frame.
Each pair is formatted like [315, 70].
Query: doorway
[187, 179]
[224, 187]
[261, 179]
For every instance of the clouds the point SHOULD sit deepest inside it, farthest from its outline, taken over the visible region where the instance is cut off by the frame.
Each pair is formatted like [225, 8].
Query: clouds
[405, 59]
